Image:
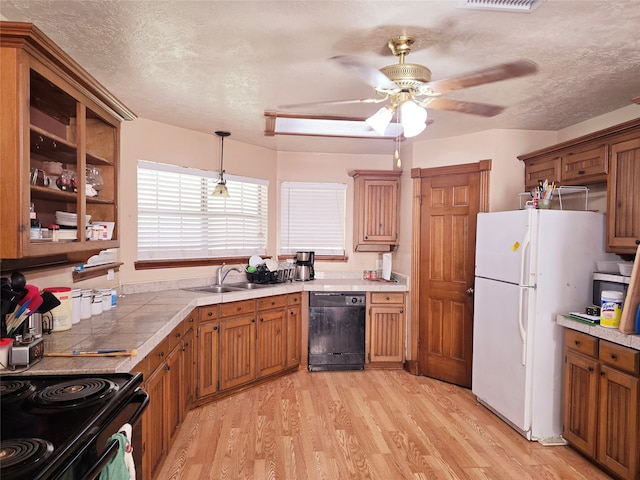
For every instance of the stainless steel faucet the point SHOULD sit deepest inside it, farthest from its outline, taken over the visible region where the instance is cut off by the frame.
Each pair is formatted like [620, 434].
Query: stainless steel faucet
[222, 274]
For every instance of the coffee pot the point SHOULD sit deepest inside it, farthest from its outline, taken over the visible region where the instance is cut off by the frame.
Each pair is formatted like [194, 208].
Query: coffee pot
[304, 266]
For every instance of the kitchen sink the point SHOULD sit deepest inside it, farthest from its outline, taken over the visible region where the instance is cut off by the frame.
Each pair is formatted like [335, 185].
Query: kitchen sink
[214, 289]
[248, 285]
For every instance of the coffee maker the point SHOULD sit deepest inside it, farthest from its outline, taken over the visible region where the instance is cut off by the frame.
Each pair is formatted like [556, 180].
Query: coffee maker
[304, 266]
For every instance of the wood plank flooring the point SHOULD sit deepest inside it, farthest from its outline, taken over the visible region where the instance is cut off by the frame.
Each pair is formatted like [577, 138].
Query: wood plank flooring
[376, 424]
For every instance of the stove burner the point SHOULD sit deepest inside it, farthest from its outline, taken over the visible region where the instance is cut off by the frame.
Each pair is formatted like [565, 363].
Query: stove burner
[78, 392]
[12, 390]
[20, 455]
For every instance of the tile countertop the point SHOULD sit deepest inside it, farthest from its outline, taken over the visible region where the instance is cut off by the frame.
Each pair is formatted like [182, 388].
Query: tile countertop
[143, 319]
[611, 334]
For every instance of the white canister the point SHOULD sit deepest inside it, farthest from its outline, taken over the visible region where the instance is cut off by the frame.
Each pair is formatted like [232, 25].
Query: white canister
[106, 299]
[85, 304]
[611, 308]
[61, 315]
[76, 305]
[96, 303]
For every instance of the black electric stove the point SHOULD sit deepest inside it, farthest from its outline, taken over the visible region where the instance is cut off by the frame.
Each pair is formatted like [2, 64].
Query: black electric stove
[57, 427]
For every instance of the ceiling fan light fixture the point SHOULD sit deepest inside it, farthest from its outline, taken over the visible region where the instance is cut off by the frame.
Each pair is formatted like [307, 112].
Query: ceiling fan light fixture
[380, 120]
[413, 118]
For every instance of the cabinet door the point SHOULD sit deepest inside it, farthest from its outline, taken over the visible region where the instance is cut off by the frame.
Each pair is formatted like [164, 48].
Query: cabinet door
[379, 214]
[272, 338]
[544, 168]
[623, 208]
[154, 426]
[587, 166]
[294, 336]
[208, 358]
[188, 373]
[387, 334]
[580, 397]
[618, 423]
[237, 351]
[173, 392]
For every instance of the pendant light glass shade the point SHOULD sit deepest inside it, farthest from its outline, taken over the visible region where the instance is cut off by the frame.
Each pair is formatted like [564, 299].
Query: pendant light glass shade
[221, 187]
[413, 118]
[380, 120]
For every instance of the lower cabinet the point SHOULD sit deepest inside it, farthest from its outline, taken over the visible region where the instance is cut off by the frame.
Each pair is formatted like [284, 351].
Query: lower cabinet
[294, 330]
[601, 409]
[272, 335]
[386, 327]
[237, 350]
[168, 373]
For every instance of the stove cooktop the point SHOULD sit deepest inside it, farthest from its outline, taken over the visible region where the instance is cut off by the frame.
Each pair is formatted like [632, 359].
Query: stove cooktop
[46, 419]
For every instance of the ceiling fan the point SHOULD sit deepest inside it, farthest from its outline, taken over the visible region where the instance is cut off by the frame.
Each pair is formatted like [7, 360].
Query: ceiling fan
[408, 90]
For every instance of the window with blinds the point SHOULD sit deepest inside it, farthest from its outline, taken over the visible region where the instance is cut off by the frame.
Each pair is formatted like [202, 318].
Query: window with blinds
[312, 218]
[178, 218]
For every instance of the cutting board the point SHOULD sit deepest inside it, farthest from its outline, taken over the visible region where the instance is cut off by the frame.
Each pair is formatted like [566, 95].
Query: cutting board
[628, 319]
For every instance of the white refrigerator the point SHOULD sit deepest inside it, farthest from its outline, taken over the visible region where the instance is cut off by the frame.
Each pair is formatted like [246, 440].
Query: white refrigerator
[531, 265]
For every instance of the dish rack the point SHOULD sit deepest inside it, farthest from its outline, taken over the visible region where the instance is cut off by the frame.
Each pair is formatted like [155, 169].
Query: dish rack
[525, 197]
[264, 275]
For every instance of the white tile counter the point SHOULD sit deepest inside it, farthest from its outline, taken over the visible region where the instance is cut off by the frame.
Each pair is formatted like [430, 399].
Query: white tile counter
[141, 320]
[611, 334]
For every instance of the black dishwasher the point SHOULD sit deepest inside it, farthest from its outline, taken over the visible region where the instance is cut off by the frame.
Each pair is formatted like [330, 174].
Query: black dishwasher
[336, 330]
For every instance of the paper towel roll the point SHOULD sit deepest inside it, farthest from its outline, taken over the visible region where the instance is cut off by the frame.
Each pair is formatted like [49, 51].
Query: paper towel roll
[386, 266]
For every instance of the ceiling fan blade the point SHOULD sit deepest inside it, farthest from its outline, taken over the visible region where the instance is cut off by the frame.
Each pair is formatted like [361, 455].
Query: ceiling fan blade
[368, 74]
[335, 102]
[461, 106]
[519, 68]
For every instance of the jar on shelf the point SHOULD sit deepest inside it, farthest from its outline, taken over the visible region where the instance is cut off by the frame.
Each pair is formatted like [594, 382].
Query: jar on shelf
[67, 181]
[94, 178]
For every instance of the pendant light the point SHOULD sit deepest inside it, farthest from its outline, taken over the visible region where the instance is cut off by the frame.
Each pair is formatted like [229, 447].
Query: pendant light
[221, 187]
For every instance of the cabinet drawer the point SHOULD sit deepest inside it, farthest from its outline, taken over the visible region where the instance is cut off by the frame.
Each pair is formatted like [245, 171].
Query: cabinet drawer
[545, 168]
[620, 357]
[189, 321]
[237, 308]
[175, 336]
[277, 301]
[294, 299]
[158, 355]
[210, 312]
[581, 342]
[386, 297]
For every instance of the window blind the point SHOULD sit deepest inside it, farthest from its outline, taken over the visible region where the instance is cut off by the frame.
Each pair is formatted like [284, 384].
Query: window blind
[312, 218]
[178, 217]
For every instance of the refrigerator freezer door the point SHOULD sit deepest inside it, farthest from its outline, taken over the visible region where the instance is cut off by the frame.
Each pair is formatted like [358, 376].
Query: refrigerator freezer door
[503, 246]
[500, 380]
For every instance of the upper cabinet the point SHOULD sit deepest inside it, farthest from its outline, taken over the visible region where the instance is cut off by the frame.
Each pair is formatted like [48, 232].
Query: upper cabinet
[376, 210]
[611, 155]
[60, 144]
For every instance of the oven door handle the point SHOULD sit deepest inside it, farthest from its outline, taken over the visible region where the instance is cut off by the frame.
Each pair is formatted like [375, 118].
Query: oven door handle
[112, 447]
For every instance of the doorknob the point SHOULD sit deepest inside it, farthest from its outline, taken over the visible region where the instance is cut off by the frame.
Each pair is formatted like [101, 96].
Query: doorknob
[469, 291]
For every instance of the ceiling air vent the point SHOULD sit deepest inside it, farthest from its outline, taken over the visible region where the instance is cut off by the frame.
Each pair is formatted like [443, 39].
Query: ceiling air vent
[523, 6]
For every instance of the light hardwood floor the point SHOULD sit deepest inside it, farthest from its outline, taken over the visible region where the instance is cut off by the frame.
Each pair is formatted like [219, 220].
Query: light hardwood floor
[376, 424]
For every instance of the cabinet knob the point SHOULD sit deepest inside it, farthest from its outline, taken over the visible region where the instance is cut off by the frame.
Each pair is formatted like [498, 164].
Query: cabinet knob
[178, 334]
[167, 368]
[388, 298]
[602, 373]
[262, 319]
[577, 342]
[253, 320]
[401, 311]
[238, 308]
[590, 369]
[210, 314]
[614, 356]
[161, 354]
[190, 319]
[638, 242]
[580, 172]
[215, 328]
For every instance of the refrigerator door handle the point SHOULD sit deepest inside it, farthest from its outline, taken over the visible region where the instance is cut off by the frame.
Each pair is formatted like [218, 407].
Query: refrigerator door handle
[523, 332]
[526, 244]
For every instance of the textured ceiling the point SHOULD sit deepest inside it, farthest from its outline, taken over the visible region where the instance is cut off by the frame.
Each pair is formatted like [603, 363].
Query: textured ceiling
[210, 65]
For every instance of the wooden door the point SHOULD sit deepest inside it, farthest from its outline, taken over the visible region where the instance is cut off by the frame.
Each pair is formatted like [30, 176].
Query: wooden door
[237, 350]
[449, 201]
[172, 400]
[579, 402]
[387, 334]
[154, 424]
[187, 373]
[272, 342]
[618, 436]
[294, 335]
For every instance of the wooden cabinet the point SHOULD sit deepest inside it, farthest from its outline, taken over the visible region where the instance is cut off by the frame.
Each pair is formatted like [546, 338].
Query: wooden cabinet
[611, 155]
[571, 165]
[271, 333]
[601, 409]
[237, 343]
[168, 374]
[376, 210]
[386, 327]
[294, 330]
[54, 117]
[623, 207]
[208, 356]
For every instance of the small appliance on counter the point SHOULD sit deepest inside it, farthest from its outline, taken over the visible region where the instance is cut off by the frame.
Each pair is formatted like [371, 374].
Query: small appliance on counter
[304, 266]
